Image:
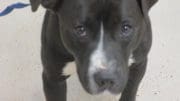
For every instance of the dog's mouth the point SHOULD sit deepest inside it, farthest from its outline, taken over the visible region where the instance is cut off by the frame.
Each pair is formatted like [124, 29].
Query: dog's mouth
[94, 89]
[101, 90]
[110, 90]
[111, 82]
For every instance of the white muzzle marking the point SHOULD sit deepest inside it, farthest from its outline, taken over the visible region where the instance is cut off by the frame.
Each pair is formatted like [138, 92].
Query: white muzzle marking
[98, 60]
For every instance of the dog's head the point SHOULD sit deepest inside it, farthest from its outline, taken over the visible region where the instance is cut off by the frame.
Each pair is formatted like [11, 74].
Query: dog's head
[101, 35]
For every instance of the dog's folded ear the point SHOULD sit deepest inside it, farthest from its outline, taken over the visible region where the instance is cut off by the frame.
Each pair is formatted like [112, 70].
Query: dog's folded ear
[35, 4]
[146, 5]
[48, 4]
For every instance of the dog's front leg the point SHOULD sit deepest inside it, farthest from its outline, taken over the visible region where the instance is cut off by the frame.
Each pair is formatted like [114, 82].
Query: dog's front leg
[54, 87]
[54, 82]
[136, 74]
[55, 90]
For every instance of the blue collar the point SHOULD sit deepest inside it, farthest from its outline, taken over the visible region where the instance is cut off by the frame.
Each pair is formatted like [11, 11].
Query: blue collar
[10, 8]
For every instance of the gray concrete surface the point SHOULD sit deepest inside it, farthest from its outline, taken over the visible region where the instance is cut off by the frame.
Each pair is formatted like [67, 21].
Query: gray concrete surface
[20, 65]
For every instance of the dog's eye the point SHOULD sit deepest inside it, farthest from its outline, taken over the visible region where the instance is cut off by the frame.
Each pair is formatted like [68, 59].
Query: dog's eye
[80, 31]
[126, 29]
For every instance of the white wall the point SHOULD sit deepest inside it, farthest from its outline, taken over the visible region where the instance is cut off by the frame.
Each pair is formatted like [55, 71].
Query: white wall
[20, 65]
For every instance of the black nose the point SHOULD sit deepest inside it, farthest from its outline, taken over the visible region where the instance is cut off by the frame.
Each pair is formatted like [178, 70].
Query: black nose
[104, 80]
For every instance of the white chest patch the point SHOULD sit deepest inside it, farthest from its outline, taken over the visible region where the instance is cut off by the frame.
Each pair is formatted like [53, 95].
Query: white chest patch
[131, 60]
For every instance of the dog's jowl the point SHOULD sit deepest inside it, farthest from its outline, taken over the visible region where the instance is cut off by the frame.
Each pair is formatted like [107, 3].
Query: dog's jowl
[109, 41]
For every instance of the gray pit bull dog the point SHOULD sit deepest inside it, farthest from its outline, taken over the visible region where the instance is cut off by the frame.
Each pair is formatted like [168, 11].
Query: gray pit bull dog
[109, 41]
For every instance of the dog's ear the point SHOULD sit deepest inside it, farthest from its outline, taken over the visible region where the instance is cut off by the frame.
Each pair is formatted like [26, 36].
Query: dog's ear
[35, 4]
[146, 5]
[48, 4]
[52, 5]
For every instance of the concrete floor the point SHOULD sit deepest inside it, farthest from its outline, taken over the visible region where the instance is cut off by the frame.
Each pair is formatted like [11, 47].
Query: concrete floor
[20, 65]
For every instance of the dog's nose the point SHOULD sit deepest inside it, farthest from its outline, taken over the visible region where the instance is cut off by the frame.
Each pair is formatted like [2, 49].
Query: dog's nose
[104, 80]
